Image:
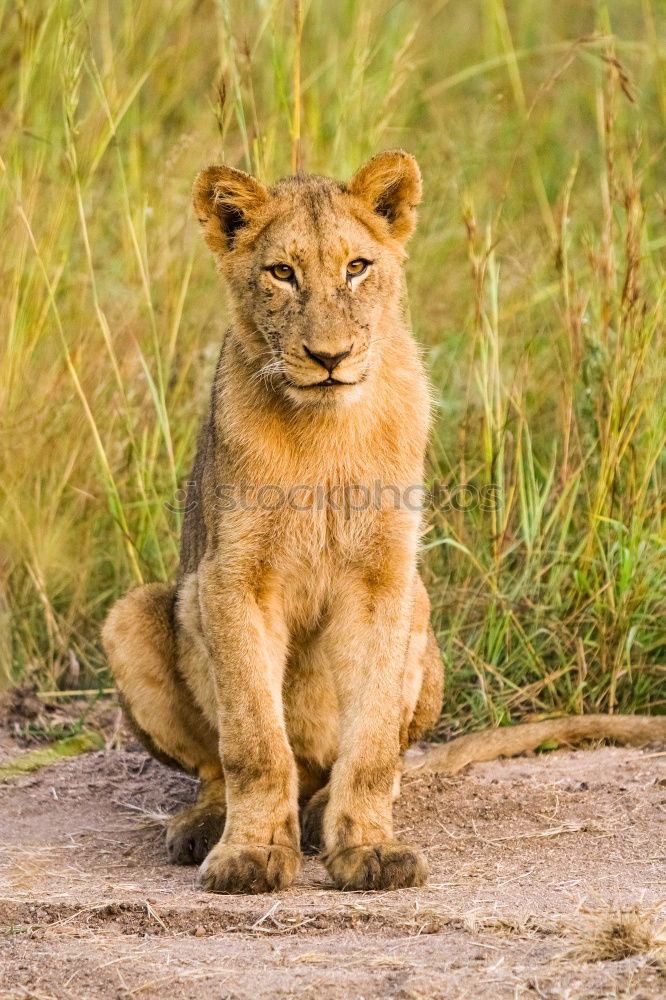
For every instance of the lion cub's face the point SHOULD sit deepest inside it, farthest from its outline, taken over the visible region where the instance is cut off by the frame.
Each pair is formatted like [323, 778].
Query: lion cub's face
[314, 267]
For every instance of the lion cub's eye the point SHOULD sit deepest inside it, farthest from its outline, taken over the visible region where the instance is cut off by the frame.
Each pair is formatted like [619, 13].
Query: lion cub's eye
[282, 272]
[356, 267]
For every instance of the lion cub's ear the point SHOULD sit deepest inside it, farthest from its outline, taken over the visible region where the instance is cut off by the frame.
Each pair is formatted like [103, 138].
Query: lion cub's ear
[225, 200]
[391, 184]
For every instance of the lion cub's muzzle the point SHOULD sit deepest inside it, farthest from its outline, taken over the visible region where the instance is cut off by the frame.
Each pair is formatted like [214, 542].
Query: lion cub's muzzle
[332, 367]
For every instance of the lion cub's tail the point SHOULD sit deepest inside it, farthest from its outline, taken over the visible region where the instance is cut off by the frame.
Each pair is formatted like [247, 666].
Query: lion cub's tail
[636, 730]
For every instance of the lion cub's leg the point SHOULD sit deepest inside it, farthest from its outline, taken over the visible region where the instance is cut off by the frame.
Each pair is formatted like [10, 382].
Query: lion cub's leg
[259, 850]
[421, 704]
[140, 642]
[423, 683]
[312, 715]
[312, 821]
[312, 815]
[368, 637]
[193, 832]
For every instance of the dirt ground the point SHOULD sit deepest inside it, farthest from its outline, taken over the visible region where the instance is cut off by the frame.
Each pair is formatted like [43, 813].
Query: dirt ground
[547, 880]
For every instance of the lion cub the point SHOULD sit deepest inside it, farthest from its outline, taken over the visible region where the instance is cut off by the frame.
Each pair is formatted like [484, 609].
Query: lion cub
[293, 660]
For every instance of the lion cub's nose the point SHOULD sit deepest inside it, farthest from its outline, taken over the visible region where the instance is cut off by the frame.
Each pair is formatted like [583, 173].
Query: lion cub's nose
[328, 361]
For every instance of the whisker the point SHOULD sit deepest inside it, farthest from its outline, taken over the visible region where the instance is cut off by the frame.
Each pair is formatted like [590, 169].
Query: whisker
[273, 367]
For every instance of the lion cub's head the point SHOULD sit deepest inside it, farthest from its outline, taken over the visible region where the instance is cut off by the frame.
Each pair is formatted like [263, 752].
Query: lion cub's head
[314, 268]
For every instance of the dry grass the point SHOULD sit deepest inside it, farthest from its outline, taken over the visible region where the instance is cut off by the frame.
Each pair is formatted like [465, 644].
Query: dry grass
[610, 934]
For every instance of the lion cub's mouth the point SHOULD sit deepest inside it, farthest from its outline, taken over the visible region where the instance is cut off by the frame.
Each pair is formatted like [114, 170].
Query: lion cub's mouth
[330, 381]
[331, 384]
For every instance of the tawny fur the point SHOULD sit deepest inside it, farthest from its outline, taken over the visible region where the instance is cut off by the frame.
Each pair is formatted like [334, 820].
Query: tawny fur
[636, 730]
[293, 659]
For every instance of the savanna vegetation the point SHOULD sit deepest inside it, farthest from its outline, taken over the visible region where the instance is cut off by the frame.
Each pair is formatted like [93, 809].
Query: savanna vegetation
[536, 286]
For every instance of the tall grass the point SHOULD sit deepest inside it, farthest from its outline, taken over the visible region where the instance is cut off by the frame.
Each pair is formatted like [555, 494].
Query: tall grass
[536, 287]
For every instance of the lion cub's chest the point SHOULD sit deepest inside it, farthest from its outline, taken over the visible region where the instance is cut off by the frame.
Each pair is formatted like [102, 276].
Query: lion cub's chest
[317, 517]
[313, 554]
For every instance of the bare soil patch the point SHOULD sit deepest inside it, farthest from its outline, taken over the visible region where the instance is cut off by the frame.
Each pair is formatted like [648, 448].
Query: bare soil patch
[546, 881]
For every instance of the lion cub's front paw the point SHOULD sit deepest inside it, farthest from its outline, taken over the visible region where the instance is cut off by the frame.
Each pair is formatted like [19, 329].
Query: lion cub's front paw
[192, 833]
[236, 868]
[377, 866]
